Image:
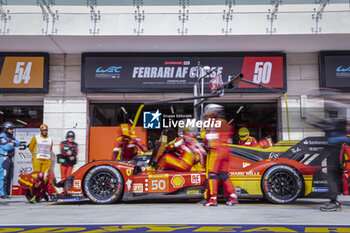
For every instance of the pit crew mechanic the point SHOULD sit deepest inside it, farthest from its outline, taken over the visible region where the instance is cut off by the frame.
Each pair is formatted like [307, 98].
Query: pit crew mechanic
[184, 153]
[41, 148]
[245, 139]
[7, 151]
[217, 140]
[127, 144]
[68, 156]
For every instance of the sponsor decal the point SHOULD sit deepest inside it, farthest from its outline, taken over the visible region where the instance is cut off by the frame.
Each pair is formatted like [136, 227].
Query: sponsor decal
[21, 155]
[249, 173]
[196, 179]
[77, 184]
[158, 176]
[245, 165]
[128, 172]
[138, 188]
[112, 72]
[25, 170]
[320, 182]
[343, 72]
[306, 142]
[73, 192]
[193, 192]
[295, 150]
[128, 184]
[177, 181]
[273, 155]
[316, 148]
[320, 189]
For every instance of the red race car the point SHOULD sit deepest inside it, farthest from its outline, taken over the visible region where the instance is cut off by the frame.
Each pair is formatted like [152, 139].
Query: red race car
[280, 174]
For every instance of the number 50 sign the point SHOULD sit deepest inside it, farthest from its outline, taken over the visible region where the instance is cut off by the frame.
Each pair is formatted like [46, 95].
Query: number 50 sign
[24, 73]
[264, 70]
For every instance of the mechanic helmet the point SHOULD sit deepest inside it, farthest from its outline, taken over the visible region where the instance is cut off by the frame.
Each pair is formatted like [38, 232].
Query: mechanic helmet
[125, 129]
[214, 110]
[7, 125]
[44, 127]
[243, 133]
[70, 134]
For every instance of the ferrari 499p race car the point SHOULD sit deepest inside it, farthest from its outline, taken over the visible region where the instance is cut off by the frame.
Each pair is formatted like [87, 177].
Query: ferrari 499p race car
[280, 174]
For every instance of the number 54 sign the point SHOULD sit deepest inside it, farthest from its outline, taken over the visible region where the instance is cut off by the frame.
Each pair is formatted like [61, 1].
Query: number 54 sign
[24, 73]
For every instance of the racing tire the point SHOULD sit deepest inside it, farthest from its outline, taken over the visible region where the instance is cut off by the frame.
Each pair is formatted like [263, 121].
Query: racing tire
[282, 184]
[104, 185]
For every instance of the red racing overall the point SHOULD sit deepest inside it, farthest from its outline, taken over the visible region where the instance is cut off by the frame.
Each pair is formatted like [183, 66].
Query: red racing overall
[218, 164]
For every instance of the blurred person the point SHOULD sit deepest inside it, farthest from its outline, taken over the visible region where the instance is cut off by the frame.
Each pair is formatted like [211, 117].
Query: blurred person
[68, 156]
[265, 142]
[41, 148]
[336, 127]
[7, 152]
[183, 153]
[245, 139]
[127, 144]
[218, 161]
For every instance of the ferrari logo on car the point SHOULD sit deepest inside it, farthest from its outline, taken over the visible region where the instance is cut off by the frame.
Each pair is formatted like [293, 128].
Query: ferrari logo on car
[128, 172]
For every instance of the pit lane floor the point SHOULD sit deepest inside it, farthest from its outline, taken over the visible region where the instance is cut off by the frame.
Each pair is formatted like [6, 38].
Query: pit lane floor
[17, 211]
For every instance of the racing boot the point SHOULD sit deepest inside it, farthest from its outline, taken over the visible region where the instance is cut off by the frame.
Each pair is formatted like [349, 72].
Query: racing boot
[232, 199]
[212, 201]
[331, 207]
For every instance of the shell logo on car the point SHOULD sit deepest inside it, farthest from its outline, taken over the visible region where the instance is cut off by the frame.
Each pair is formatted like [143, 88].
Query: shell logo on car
[177, 181]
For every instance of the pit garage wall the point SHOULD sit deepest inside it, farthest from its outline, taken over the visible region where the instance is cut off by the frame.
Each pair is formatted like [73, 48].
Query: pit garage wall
[66, 108]
[302, 79]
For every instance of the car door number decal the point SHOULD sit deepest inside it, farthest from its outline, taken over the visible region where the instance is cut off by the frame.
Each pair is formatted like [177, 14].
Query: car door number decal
[158, 185]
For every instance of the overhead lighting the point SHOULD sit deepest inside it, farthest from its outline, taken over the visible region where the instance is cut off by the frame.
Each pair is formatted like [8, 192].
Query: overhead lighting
[22, 122]
[240, 109]
[1, 112]
[231, 121]
[172, 109]
[131, 121]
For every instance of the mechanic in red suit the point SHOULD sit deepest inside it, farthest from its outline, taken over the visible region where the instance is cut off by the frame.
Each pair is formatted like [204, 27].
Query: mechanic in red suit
[218, 162]
[68, 157]
[37, 186]
[183, 153]
[245, 139]
[127, 145]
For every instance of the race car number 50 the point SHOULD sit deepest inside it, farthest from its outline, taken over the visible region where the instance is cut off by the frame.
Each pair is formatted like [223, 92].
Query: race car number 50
[262, 72]
[158, 185]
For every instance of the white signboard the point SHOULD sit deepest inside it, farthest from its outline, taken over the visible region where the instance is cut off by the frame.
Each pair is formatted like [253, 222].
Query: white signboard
[23, 157]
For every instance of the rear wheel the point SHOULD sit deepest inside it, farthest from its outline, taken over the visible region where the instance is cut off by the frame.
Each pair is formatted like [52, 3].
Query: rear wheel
[104, 185]
[282, 184]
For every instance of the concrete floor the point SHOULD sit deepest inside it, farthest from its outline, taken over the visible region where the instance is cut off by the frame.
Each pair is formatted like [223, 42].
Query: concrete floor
[17, 211]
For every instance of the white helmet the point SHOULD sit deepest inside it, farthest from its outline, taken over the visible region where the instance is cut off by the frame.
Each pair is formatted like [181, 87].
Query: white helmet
[214, 110]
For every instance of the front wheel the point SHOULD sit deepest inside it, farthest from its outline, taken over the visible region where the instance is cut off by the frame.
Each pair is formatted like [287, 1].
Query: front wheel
[282, 184]
[104, 185]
